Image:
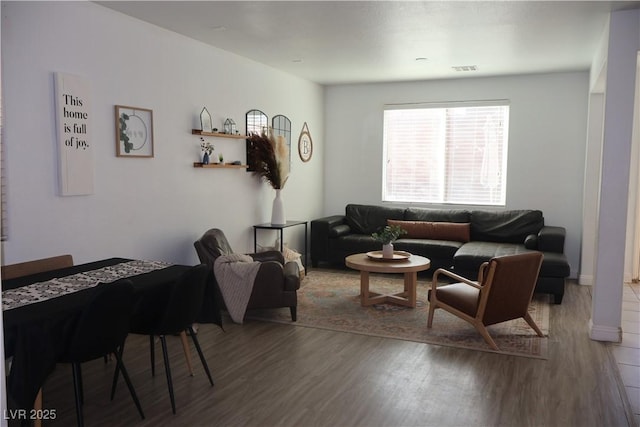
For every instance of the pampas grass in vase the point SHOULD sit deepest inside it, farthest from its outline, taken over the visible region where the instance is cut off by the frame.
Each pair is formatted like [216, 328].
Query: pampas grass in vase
[269, 159]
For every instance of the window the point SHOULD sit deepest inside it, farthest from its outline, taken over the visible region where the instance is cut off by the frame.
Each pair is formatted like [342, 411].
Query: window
[453, 153]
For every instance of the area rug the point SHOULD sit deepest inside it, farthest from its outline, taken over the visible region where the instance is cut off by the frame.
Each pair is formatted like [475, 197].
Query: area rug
[330, 299]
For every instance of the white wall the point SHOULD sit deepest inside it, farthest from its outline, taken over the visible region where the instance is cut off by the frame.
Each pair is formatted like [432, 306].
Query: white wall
[631, 265]
[623, 45]
[547, 134]
[593, 159]
[141, 208]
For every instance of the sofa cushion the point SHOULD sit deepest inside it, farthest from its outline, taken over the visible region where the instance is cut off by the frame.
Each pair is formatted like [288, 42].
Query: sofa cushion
[437, 215]
[458, 232]
[511, 226]
[367, 219]
[471, 255]
[356, 243]
[432, 249]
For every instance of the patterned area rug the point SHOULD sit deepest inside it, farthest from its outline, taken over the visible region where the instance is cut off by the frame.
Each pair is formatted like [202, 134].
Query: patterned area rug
[330, 299]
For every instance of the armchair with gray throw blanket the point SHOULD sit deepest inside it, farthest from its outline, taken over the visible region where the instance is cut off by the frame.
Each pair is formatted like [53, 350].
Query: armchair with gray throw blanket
[276, 282]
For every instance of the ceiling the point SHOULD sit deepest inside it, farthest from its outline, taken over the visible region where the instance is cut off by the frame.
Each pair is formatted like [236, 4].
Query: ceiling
[334, 42]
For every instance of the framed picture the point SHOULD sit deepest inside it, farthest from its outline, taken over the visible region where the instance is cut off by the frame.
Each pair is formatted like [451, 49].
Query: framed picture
[134, 132]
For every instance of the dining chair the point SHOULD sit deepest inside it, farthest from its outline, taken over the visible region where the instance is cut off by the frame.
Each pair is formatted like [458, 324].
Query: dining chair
[503, 292]
[179, 314]
[101, 329]
[41, 265]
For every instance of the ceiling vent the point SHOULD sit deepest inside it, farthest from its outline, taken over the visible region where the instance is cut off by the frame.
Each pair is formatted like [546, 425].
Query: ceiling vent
[466, 68]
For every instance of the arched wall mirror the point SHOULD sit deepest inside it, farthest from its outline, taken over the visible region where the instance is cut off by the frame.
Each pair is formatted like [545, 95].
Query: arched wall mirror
[257, 122]
[282, 127]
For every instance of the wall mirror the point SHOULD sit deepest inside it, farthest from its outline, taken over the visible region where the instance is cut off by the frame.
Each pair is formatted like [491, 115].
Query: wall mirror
[282, 127]
[257, 122]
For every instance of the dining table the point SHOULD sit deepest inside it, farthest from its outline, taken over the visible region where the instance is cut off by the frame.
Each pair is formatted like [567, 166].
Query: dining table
[40, 312]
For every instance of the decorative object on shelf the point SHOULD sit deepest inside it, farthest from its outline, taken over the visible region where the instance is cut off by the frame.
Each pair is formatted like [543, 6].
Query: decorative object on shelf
[230, 127]
[207, 148]
[205, 121]
[221, 158]
[387, 236]
[269, 158]
[305, 144]
[134, 132]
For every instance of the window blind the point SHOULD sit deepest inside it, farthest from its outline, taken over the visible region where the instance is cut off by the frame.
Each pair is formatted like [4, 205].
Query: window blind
[446, 154]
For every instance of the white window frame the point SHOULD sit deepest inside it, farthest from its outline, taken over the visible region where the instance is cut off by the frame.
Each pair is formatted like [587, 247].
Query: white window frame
[417, 157]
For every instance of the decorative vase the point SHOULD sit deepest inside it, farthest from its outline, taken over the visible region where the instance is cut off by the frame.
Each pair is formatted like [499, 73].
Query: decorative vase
[387, 250]
[205, 158]
[277, 212]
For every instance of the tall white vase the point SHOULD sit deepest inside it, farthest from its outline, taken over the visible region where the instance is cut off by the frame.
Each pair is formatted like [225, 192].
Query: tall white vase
[277, 212]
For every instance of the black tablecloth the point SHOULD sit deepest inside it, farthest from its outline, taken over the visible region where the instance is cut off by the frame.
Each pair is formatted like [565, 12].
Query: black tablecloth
[36, 334]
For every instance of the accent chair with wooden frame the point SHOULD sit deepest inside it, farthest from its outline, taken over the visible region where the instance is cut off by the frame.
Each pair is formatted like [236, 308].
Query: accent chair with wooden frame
[503, 292]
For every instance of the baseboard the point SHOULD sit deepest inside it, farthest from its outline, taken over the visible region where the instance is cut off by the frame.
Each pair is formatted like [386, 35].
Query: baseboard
[604, 333]
[586, 280]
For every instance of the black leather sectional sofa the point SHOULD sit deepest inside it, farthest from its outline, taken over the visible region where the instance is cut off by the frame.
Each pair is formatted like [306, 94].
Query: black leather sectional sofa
[454, 239]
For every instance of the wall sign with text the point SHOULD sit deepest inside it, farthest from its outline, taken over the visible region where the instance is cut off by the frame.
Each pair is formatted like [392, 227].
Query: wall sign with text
[73, 120]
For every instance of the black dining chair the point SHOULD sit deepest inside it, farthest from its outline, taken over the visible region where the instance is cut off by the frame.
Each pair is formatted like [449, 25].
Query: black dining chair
[26, 268]
[180, 312]
[101, 329]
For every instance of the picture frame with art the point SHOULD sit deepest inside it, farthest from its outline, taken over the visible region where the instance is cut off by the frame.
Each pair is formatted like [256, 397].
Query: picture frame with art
[134, 131]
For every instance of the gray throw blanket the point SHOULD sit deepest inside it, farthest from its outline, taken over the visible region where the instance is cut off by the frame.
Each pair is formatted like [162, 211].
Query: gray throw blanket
[235, 275]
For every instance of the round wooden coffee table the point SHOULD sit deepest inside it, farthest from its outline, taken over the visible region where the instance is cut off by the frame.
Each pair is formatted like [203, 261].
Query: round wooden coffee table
[409, 267]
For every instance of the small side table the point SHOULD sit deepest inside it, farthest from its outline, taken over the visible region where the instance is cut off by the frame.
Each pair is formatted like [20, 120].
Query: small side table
[280, 228]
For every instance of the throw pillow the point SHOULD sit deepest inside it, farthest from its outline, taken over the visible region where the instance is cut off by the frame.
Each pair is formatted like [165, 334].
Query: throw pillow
[454, 231]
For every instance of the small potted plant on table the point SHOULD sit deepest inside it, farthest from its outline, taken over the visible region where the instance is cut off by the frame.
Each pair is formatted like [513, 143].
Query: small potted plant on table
[387, 236]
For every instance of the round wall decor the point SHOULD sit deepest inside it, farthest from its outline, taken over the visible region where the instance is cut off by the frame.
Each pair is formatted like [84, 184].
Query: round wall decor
[305, 144]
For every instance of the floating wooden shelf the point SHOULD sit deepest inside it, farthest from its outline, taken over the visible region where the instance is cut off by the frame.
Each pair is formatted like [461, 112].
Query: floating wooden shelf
[216, 134]
[218, 165]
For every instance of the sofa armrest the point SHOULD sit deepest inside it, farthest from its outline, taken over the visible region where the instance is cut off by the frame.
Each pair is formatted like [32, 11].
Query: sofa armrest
[551, 239]
[339, 230]
[531, 242]
[291, 276]
[321, 232]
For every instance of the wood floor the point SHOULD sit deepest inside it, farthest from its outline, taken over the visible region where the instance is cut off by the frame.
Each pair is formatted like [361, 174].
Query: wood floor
[283, 375]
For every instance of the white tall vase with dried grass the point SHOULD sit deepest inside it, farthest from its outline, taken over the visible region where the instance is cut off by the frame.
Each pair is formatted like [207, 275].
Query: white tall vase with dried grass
[269, 159]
